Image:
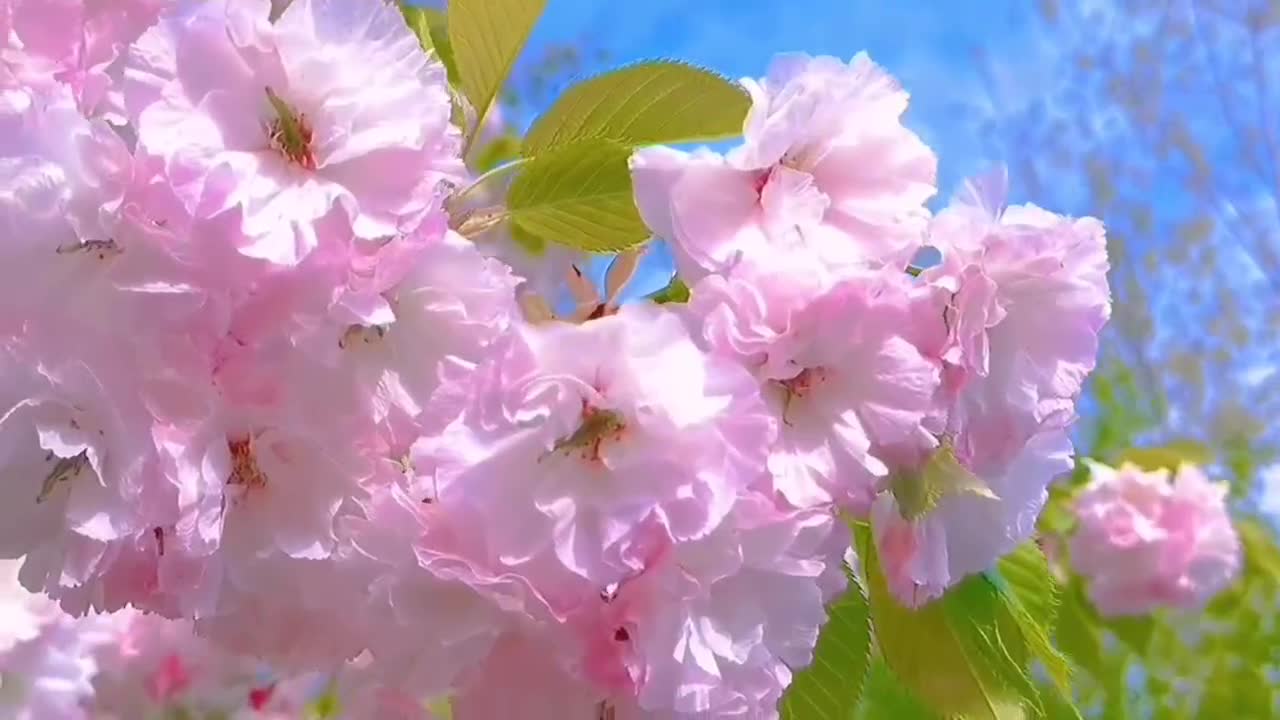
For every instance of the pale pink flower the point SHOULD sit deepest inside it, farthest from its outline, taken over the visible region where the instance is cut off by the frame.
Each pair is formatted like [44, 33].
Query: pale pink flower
[1013, 312]
[436, 602]
[271, 607]
[332, 109]
[78, 43]
[21, 612]
[989, 505]
[1144, 542]
[578, 433]
[709, 628]
[1028, 293]
[446, 300]
[155, 666]
[826, 168]
[62, 182]
[50, 675]
[836, 369]
[521, 678]
[75, 439]
[255, 483]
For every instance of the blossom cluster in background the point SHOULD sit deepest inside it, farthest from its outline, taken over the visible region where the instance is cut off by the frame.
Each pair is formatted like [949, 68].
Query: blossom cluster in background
[254, 380]
[1145, 540]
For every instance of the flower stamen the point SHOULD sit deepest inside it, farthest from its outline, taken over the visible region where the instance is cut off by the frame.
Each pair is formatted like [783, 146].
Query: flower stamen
[290, 133]
[65, 470]
[598, 427]
[244, 465]
[102, 248]
[799, 387]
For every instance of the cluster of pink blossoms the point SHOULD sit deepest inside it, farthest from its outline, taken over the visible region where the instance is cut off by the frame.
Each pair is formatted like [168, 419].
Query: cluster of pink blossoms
[251, 380]
[130, 665]
[1145, 540]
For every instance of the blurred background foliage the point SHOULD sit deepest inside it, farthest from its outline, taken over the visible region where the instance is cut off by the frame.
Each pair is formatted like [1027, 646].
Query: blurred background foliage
[1164, 123]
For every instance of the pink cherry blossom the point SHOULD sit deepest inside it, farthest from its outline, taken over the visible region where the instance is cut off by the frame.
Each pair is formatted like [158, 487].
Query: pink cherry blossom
[154, 665]
[708, 628]
[1022, 295]
[334, 108]
[826, 168]
[598, 427]
[1007, 269]
[436, 600]
[1145, 541]
[968, 530]
[130, 665]
[48, 672]
[78, 43]
[272, 429]
[836, 370]
[21, 611]
[76, 440]
[63, 179]
[449, 301]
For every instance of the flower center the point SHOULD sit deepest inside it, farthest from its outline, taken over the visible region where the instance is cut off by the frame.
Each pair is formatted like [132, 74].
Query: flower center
[356, 335]
[804, 382]
[244, 465]
[598, 427]
[290, 133]
[102, 248]
[64, 470]
[802, 158]
[799, 387]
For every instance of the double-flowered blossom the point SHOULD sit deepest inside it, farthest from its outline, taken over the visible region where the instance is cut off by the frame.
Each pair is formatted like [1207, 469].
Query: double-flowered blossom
[274, 433]
[1022, 294]
[836, 368]
[826, 169]
[603, 427]
[78, 44]
[936, 406]
[332, 109]
[707, 628]
[131, 665]
[1147, 540]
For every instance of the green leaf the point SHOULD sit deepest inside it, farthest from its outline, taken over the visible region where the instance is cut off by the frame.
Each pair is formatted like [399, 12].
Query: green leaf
[645, 104]
[579, 196]
[432, 28]
[828, 689]
[918, 492]
[675, 292]
[1261, 554]
[1030, 596]
[1026, 573]
[502, 149]
[487, 37]
[441, 708]
[326, 706]
[531, 243]
[949, 652]
[1135, 632]
[1236, 690]
[1057, 704]
[884, 698]
[991, 636]
[1077, 635]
